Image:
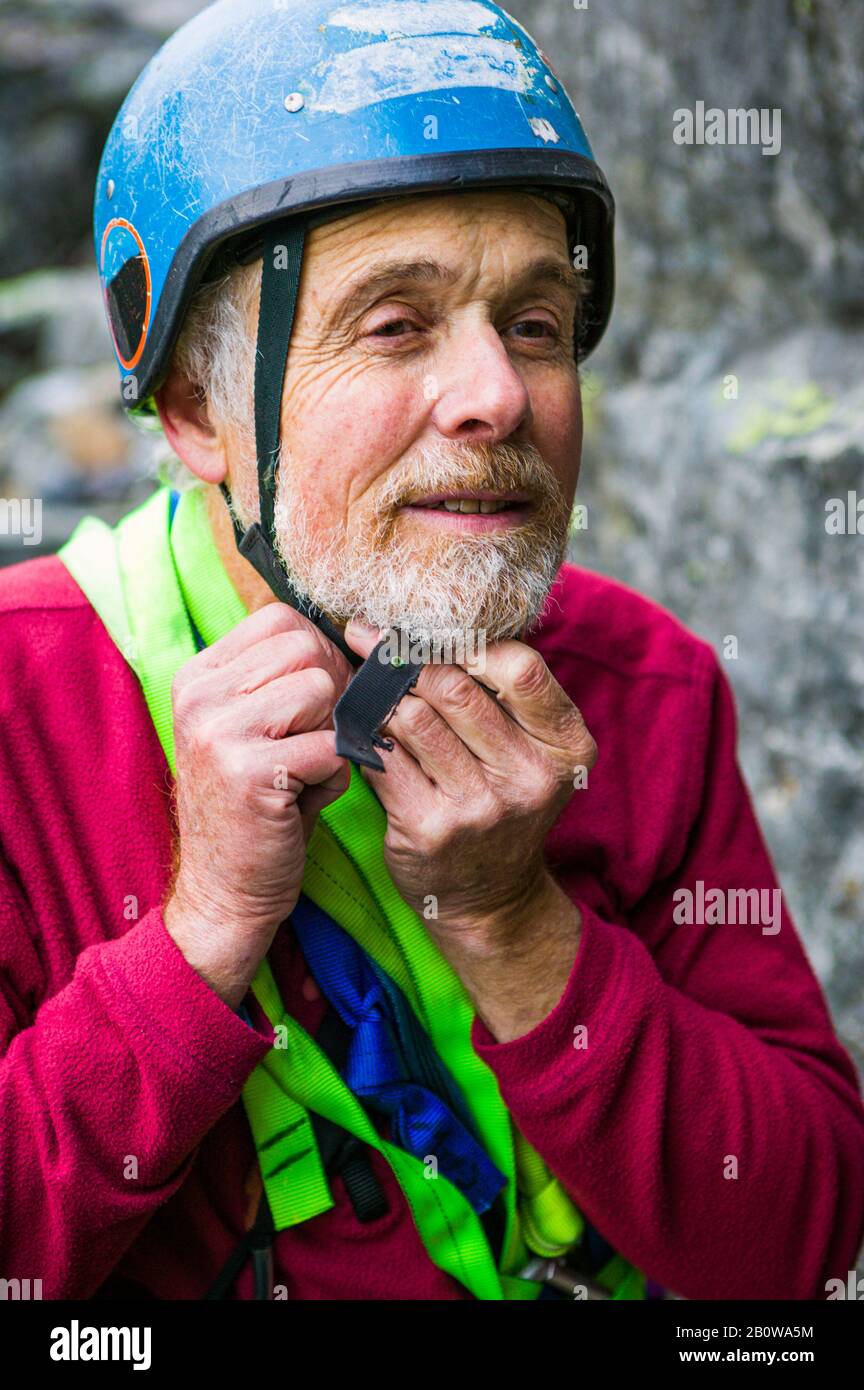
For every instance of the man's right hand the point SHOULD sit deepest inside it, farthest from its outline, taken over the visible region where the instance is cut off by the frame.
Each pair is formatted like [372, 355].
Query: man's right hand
[256, 762]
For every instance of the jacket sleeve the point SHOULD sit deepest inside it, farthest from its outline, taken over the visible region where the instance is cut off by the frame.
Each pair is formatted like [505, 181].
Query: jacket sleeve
[106, 1090]
[706, 1121]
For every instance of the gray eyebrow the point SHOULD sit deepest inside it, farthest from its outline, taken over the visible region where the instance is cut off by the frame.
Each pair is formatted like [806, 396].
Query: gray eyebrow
[426, 272]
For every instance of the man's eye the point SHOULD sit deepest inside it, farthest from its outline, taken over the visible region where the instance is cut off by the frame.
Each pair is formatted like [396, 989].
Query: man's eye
[549, 329]
[384, 329]
[538, 329]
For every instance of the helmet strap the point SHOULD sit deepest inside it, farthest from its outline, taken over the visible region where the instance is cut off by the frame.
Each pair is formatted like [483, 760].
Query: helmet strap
[280, 280]
[380, 683]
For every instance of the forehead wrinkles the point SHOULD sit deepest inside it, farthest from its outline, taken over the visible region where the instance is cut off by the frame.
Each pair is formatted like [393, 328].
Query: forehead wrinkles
[481, 240]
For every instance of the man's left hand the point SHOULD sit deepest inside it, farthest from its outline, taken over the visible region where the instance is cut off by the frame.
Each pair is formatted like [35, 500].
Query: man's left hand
[473, 784]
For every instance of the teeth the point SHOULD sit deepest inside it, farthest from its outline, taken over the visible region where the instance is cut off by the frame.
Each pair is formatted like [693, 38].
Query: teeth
[472, 505]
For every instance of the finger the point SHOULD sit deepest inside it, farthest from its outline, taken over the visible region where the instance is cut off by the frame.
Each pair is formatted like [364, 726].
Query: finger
[480, 723]
[303, 760]
[530, 694]
[362, 638]
[469, 709]
[403, 785]
[297, 650]
[312, 800]
[438, 750]
[270, 620]
[295, 703]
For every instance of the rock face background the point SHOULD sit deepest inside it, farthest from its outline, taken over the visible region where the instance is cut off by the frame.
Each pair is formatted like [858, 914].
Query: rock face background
[738, 271]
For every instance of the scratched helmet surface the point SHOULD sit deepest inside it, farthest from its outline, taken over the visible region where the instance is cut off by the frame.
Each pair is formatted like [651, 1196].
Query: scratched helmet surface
[255, 109]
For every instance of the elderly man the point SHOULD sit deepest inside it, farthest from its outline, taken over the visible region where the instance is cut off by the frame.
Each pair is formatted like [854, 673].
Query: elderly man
[431, 1026]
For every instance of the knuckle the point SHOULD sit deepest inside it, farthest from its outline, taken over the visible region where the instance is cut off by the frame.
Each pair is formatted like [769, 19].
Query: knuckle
[584, 747]
[416, 716]
[181, 694]
[189, 693]
[432, 835]
[302, 648]
[235, 766]
[322, 684]
[205, 738]
[547, 782]
[458, 694]
[487, 811]
[529, 673]
[277, 617]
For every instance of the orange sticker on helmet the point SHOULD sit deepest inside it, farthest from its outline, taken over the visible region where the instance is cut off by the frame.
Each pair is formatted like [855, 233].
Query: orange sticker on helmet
[123, 225]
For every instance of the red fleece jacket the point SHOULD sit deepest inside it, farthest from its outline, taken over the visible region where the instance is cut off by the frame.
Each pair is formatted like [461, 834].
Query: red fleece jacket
[712, 1130]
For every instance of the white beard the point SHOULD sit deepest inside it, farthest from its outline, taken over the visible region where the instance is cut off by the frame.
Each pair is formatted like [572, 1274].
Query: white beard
[439, 585]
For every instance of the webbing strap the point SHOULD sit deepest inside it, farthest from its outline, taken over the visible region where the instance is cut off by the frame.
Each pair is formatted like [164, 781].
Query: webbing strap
[392, 1065]
[451, 1231]
[214, 607]
[340, 1151]
[280, 280]
[549, 1226]
[156, 636]
[133, 587]
[90, 556]
[367, 702]
[282, 260]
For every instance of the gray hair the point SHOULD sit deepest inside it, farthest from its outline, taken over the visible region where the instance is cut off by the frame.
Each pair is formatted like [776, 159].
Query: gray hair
[215, 353]
[215, 349]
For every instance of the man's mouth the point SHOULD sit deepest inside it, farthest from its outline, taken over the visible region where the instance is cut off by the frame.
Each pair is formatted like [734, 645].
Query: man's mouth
[509, 506]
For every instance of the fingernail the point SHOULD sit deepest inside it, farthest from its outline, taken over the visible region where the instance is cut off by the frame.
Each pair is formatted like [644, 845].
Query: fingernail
[358, 629]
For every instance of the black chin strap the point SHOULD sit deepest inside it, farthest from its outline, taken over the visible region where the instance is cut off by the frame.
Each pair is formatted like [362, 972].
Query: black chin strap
[280, 279]
[379, 685]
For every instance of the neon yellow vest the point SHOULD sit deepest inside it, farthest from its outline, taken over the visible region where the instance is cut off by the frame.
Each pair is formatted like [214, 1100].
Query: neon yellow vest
[147, 578]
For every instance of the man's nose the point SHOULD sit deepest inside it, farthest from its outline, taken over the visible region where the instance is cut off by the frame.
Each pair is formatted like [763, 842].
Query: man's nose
[476, 389]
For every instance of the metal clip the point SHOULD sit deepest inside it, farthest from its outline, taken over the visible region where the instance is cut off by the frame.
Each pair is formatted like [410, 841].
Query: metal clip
[564, 1280]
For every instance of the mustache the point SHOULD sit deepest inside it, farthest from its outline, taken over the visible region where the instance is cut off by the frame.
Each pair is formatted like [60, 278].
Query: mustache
[501, 468]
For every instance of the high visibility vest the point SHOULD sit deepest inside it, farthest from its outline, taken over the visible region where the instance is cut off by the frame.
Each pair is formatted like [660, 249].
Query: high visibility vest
[151, 578]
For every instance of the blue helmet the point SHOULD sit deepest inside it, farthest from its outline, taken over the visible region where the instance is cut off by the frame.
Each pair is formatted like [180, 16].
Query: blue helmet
[256, 109]
[260, 119]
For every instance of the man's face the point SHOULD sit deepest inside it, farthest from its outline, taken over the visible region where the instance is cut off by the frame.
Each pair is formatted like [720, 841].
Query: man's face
[429, 366]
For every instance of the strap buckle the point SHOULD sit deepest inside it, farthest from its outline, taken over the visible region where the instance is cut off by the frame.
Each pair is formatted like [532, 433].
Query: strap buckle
[568, 1282]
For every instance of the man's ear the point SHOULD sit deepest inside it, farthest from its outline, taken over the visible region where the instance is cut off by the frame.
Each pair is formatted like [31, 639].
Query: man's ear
[188, 429]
